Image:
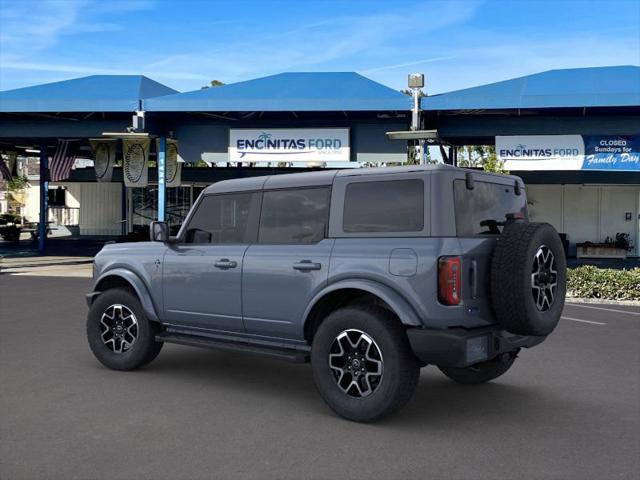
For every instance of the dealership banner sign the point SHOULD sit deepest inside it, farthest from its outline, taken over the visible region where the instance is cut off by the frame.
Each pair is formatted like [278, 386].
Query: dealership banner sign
[610, 152]
[541, 152]
[569, 152]
[136, 162]
[104, 157]
[289, 145]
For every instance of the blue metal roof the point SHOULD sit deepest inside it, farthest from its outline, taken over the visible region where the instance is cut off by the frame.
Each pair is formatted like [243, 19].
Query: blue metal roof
[577, 87]
[96, 93]
[298, 92]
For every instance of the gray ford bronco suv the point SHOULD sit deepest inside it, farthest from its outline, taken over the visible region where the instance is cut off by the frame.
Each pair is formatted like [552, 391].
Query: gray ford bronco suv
[369, 274]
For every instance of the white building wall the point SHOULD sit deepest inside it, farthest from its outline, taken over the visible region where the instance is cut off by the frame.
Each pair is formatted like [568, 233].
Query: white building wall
[100, 208]
[31, 208]
[588, 213]
[73, 195]
[581, 213]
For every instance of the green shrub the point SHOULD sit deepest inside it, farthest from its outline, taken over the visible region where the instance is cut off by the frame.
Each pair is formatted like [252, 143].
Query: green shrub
[588, 281]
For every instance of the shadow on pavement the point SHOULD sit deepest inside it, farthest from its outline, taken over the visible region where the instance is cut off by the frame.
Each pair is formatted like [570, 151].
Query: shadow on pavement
[436, 400]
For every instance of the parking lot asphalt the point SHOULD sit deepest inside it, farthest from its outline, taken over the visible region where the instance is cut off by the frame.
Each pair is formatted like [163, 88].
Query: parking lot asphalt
[569, 408]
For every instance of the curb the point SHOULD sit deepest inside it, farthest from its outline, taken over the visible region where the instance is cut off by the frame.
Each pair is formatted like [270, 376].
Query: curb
[9, 266]
[602, 301]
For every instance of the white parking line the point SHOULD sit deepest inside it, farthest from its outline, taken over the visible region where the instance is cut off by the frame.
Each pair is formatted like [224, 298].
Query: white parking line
[601, 308]
[583, 321]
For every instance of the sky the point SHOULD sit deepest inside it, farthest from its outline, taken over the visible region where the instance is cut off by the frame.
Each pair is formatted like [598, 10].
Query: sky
[185, 44]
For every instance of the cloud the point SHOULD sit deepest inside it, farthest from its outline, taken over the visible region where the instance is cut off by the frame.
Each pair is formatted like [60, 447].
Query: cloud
[250, 48]
[409, 64]
[90, 70]
[342, 40]
[29, 27]
[502, 57]
[453, 42]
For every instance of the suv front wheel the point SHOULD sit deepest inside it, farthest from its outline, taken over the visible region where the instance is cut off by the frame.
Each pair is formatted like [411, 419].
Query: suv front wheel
[362, 363]
[119, 334]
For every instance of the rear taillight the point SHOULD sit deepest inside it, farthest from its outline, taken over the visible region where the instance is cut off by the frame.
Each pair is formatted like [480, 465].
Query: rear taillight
[449, 280]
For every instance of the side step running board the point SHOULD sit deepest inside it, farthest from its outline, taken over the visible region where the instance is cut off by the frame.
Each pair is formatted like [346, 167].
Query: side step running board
[286, 354]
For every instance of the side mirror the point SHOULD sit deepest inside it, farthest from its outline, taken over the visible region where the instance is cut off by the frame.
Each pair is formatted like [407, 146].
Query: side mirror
[159, 232]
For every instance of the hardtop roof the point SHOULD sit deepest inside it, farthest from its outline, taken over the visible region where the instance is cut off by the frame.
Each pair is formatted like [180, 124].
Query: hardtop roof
[317, 178]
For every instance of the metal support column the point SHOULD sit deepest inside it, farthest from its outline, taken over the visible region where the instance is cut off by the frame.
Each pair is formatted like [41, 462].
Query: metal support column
[124, 210]
[44, 199]
[162, 179]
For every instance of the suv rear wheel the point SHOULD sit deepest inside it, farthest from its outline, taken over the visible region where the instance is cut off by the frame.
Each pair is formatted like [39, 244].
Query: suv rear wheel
[362, 363]
[481, 372]
[119, 334]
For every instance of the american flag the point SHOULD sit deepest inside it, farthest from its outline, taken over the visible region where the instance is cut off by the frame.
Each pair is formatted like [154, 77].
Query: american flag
[4, 170]
[62, 161]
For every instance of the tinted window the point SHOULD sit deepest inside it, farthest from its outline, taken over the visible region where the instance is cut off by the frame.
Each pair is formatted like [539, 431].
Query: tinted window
[294, 216]
[486, 203]
[388, 206]
[222, 219]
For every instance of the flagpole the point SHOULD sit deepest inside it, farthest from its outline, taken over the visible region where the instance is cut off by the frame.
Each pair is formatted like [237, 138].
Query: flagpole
[44, 199]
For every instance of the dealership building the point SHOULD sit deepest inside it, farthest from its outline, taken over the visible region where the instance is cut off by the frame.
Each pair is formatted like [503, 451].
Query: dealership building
[573, 135]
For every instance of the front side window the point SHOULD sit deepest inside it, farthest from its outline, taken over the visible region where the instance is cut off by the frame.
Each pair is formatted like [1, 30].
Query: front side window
[482, 209]
[222, 219]
[294, 216]
[384, 206]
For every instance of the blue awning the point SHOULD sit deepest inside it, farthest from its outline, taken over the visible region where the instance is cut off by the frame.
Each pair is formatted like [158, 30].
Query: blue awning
[288, 92]
[96, 93]
[577, 87]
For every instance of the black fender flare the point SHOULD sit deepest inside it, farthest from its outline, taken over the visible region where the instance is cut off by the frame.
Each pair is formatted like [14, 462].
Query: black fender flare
[398, 304]
[138, 286]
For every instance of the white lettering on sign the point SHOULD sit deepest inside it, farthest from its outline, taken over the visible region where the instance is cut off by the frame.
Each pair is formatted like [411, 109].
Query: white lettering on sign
[289, 145]
[541, 152]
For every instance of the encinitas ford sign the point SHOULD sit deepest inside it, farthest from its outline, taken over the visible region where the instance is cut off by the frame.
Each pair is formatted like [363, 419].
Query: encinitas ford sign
[569, 152]
[289, 145]
[541, 152]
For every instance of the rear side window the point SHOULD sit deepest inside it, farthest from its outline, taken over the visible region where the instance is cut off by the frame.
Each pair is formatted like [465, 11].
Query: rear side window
[384, 206]
[294, 216]
[223, 219]
[487, 203]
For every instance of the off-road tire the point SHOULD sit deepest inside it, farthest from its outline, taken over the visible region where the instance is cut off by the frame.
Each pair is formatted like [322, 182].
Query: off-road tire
[400, 368]
[481, 372]
[142, 351]
[512, 294]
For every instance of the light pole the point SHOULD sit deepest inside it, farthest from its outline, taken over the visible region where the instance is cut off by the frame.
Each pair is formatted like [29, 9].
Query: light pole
[416, 83]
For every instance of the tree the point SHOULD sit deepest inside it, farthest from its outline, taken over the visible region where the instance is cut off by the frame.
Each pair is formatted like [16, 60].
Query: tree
[15, 194]
[213, 83]
[493, 164]
[475, 156]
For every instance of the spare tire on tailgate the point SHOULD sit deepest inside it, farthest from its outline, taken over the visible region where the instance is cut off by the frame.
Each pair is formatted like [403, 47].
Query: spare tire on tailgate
[528, 278]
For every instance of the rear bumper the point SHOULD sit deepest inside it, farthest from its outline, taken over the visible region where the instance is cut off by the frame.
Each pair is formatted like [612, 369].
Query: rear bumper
[459, 347]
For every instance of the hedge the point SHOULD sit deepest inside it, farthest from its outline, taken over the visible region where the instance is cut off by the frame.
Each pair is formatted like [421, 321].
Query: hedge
[588, 281]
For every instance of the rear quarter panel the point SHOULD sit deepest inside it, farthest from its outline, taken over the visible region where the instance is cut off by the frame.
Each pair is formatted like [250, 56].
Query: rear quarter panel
[370, 259]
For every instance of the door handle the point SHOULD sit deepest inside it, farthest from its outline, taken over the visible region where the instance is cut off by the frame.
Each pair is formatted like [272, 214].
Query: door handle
[225, 263]
[306, 265]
